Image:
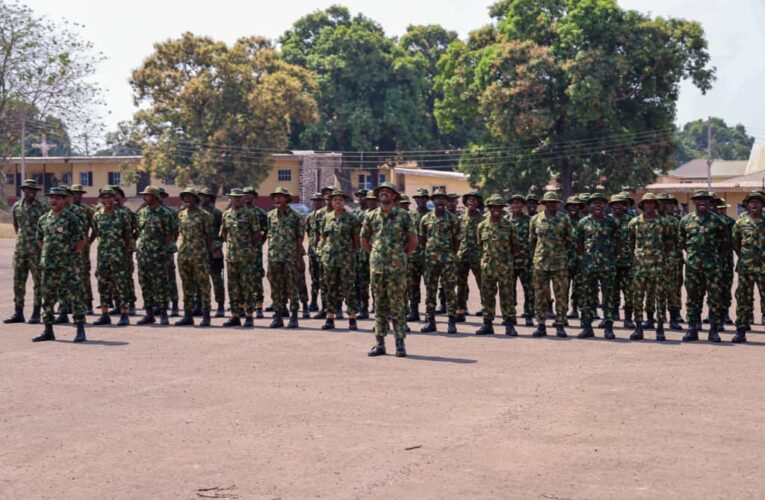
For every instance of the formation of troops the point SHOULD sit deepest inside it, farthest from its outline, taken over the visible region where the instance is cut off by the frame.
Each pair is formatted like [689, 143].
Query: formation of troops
[593, 257]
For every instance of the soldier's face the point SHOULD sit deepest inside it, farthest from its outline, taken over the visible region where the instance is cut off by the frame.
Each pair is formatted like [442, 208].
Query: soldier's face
[754, 206]
[57, 203]
[702, 204]
[362, 202]
[496, 212]
[421, 201]
[317, 204]
[107, 201]
[597, 207]
[189, 201]
[472, 203]
[405, 205]
[669, 206]
[532, 206]
[552, 207]
[517, 207]
[338, 203]
[650, 207]
[280, 201]
[248, 199]
[451, 205]
[440, 203]
[29, 194]
[77, 197]
[573, 210]
[205, 200]
[385, 196]
[619, 208]
[371, 204]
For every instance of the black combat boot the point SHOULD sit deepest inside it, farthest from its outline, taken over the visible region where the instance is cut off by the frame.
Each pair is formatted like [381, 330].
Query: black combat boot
[430, 325]
[186, 320]
[35, 319]
[713, 336]
[728, 320]
[205, 319]
[80, 336]
[460, 317]
[148, 319]
[174, 311]
[660, 332]
[486, 329]
[233, 321]
[104, 319]
[692, 334]
[451, 326]
[649, 323]
[379, 347]
[510, 330]
[441, 309]
[550, 312]
[47, 334]
[414, 312]
[131, 309]
[221, 310]
[277, 322]
[163, 319]
[740, 336]
[313, 306]
[329, 324]
[259, 313]
[352, 324]
[478, 313]
[628, 323]
[16, 317]
[197, 311]
[124, 320]
[400, 348]
[306, 311]
[89, 308]
[602, 323]
[573, 314]
[587, 331]
[322, 314]
[541, 331]
[270, 308]
[608, 333]
[674, 324]
[363, 313]
[248, 323]
[61, 319]
[293, 323]
[637, 333]
[560, 331]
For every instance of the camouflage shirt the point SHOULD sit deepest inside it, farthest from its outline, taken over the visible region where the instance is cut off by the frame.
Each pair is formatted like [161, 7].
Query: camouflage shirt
[523, 257]
[703, 238]
[386, 232]
[470, 248]
[649, 239]
[217, 221]
[337, 235]
[285, 230]
[114, 235]
[750, 236]
[497, 240]
[439, 235]
[263, 221]
[239, 227]
[599, 239]
[195, 227]
[313, 229]
[25, 218]
[59, 235]
[624, 259]
[551, 239]
[154, 226]
[416, 217]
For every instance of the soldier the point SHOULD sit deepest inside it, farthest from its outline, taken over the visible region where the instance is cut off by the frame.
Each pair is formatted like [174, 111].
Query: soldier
[469, 255]
[499, 246]
[623, 273]
[362, 272]
[114, 231]
[60, 236]
[550, 237]
[26, 255]
[726, 263]
[381, 235]
[257, 290]
[172, 249]
[599, 244]
[83, 264]
[674, 276]
[573, 208]
[285, 238]
[156, 234]
[522, 260]
[120, 206]
[240, 230]
[207, 203]
[404, 202]
[314, 260]
[704, 238]
[64, 306]
[339, 243]
[318, 218]
[749, 244]
[451, 207]
[300, 276]
[532, 204]
[414, 268]
[439, 232]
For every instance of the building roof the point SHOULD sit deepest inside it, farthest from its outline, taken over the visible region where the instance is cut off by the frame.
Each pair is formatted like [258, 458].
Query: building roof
[442, 174]
[39, 160]
[697, 169]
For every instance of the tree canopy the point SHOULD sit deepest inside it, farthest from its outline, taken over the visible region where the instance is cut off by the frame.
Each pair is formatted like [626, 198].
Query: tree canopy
[728, 143]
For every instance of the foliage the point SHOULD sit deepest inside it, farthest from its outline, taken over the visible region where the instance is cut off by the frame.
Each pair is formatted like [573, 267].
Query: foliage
[728, 143]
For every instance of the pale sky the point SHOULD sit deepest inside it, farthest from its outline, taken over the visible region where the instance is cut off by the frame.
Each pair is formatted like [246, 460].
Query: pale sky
[126, 30]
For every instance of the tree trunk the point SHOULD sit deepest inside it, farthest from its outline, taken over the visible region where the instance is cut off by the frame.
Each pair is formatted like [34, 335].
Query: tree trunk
[566, 179]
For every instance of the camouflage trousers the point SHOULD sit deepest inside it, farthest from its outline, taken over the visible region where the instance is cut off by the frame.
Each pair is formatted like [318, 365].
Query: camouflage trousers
[446, 273]
[560, 281]
[648, 286]
[362, 278]
[130, 264]
[597, 281]
[674, 285]
[152, 276]
[259, 273]
[216, 275]
[697, 283]
[622, 285]
[318, 288]
[112, 279]
[24, 265]
[301, 283]
[389, 290]
[195, 279]
[464, 266]
[64, 304]
[83, 271]
[522, 273]
[577, 287]
[61, 284]
[497, 277]
[726, 284]
[241, 280]
[414, 273]
[340, 278]
[172, 285]
[745, 296]
[284, 286]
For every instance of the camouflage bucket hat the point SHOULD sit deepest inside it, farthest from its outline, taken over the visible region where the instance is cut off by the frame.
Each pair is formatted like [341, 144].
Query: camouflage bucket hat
[617, 198]
[550, 197]
[371, 195]
[235, 193]
[753, 195]
[106, 191]
[193, 192]
[327, 189]
[628, 197]
[597, 196]
[667, 197]
[387, 185]
[648, 197]
[495, 200]
[77, 188]
[584, 198]
[572, 200]
[162, 192]
[30, 184]
[439, 192]
[532, 197]
[475, 194]
[66, 188]
[404, 200]
[700, 194]
[57, 191]
[360, 193]
[250, 190]
[317, 197]
[517, 197]
[207, 192]
[454, 196]
[283, 191]
[339, 192]
[421, 193]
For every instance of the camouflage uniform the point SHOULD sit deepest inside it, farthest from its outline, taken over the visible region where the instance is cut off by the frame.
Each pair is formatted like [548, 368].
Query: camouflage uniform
[416, 262]
[622, 284]
[726, 269]
[257, 289]
[285, 230]
[196, 227]
[550, 238]
[598, 239]
[749, 236]
[337, 258]
[26, 255]
[468, 258]
[522, 263]
[312, 228]
[155, 226]
[362, 267]
[83, 258]
[575, 263]
[172, 249]
[439, 234]
[497, 240]
[239, 229]
[649, 239]
[674, 286]
[81, 263]
[114, 232]
[216, 254]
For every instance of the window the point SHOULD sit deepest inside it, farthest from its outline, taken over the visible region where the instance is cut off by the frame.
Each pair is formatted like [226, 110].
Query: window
[115, 178]
[10, 179]
[86, 178]
[442, 188]
[66, 179]
[284, 175]
[170, 180]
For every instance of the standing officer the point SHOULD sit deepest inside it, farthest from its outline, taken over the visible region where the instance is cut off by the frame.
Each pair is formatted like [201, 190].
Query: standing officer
[120, 206]
[318, 220]
[573, 208]
[285, 239]
[196, 228]
[499, 246]
[522, 259]
[550, 237]
[257, 290]
[240, 230]
[469, 255]
[622, 284]
[749, 244]
[314, 261]
[83, 264]
[599, 243]
[414, 268]
[726, 262]
[60, 236]
[384, 230]
[207, 203]
[439, 232]
[674, 276]
[172, 249]
[26, 255]
[339, 244]
[156, 234]
[704, 238]
[361, 261]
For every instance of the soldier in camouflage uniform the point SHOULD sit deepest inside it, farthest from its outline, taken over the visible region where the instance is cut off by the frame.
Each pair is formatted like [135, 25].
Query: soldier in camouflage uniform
[64, 305]
[120, 199]
[314, 260]
[599, 243]
[26, 255]
[383, 231]
[339, 244]
[498, 239]
[156, 231]
[114, 231]
[83, 264]
[622, 284]
[317, 222]
[361, 260]
[573, 208]
[550, 237]
[704, 238]
[285, 238]
[650, 243]
[749, 244]
[240, 230]
[414, 268]
[60, 236]
[439, 232]
[172, 249]
[469, 255]
[207, 203]
[674, 276]
[249, 201]
[451, 207]
[522, 260]
[726, 263]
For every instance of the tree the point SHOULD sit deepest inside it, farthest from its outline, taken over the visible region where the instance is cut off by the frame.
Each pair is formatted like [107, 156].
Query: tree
[728, 143]
[578, 90]
[211, 113]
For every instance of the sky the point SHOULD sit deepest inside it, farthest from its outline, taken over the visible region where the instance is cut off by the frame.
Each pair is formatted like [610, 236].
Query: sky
[126, 31]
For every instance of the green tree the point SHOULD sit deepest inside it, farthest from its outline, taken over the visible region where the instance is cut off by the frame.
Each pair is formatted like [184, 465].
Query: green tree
[579, 90]
[728, 143]
[211, 113]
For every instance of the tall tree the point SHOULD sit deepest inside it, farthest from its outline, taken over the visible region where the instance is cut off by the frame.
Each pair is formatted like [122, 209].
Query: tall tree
[211, 113]
[728, 143]
[580, 90]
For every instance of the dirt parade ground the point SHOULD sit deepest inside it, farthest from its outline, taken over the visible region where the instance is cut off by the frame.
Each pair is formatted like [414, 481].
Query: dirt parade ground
[158, 412]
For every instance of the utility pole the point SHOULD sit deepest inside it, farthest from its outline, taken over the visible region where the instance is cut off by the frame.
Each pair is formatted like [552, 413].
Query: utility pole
[709, 153]
[23, 147]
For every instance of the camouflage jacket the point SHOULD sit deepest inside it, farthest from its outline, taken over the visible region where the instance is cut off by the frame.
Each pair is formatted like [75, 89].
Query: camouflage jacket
[598, 240]
[419, 252]
[673, 227]
[704, 238]
[470, 248]
[624, 259]
[729, 222]
[386, 232]
[497, 240]
[59, 235]
[195, 228]
[239, 228]
[263, 221]
[337, 236]
[649, 240]
[523, 257]
[217, 221]
[155, 225]
[313, 229]
[87, 212]
[285, 230]
[114, 233]
[439, 235]
[750, 237]
[25, 218]
[551, 239]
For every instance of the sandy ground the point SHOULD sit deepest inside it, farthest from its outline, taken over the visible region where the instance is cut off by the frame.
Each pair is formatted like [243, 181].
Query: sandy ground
[211, 413]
